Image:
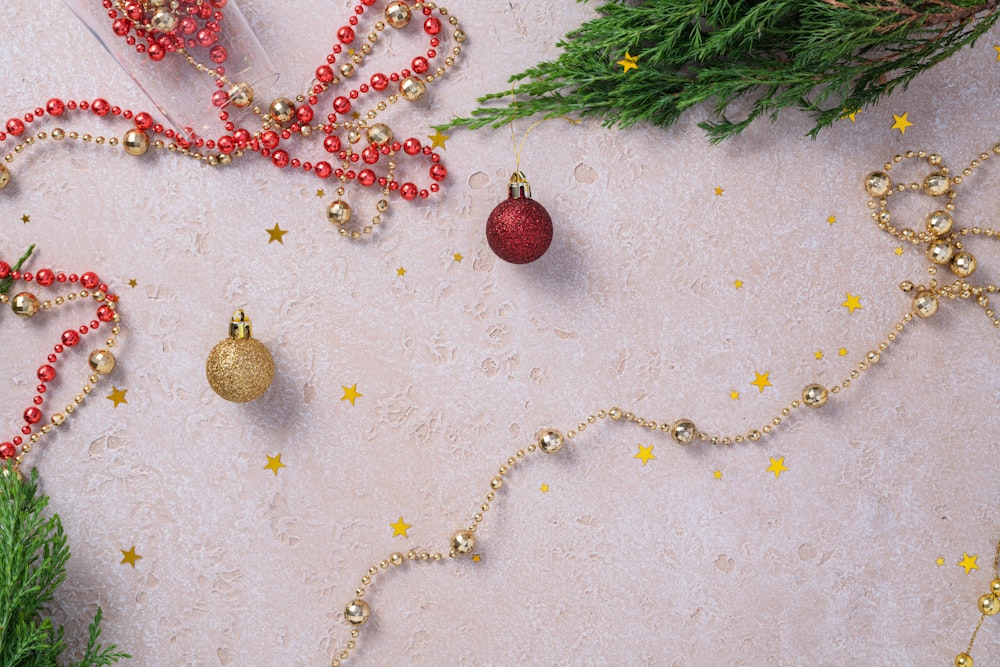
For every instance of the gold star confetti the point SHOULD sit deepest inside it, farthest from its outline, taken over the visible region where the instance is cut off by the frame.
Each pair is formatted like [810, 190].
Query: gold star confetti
[645, 454]
[321, 193]
[350, 393]
[400, 271]
[117, 396]
[457, 257]
[851, 114]
[777, 466]
[355, 115]
[545, 488]
[968, 562]
[399, 528]
[832, 219]
[939, 561]
[438, 139]
[130, 557]
[998, 51]
[898, 250]
[761, 381]
[735, 395]
[738, 284]
[853, 303]
[276, 234]
[717, 474]
[476, 558]
[132, 283]
[628, 62]
[819, 354]
[718, 191]
[902, 122]
[274, 463]
[842, 351]
[25, 218]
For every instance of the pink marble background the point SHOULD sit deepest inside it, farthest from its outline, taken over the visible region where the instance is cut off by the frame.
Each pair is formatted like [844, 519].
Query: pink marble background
[459, 363]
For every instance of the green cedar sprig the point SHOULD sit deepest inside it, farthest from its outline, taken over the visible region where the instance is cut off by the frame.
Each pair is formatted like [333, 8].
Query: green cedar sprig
[6, 282]
[826, 57]
[33, 555]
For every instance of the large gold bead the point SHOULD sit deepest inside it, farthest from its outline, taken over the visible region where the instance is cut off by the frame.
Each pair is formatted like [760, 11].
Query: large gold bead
[463, 542]
[357, 612]
[963, 660]
[4, 176]
[683, 431]
[939, 223]
[397, 14]
[339, 212]
[164, 21]
[240, 368]
[412, 88]
[550, 440]
[135, 142]
[282, 110]
[101, 362]
[940, 252]
[925, 304]
[878, 183]
[936, 184]
[815, 396]
[379, 133]
[963, 264]
[989, 604]
[24, 304]
[241, 95]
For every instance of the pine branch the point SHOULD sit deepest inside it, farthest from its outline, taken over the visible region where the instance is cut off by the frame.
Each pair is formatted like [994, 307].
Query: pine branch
[33, 556]
[825, 57]
[6, 282]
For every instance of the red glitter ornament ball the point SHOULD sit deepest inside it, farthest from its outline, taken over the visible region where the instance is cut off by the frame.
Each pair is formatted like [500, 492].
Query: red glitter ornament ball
[519, 230]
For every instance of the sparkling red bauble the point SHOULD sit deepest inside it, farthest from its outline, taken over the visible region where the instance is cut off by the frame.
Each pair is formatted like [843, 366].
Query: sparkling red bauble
[519, 230]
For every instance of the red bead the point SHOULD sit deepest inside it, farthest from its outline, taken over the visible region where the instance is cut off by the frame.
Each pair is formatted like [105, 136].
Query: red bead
[32, 416]
[70, 338]
[58, 349]
[26, 430]
[438, 172]
[38, 400]
[242, 136]
[432, 26]
[350, 175]
[370, 155]
[100, 107]
[84, 329]
[218, 54]
[366, 177]
[94, 324]
[45, 277]
[353, 94]
[353, 20]
[73, 277]
[324, 74]
[424, 194]
[367, 3]
[411, 146]
[4, 269]
[280, 159]
[41, 389]
[226, 145]
[323, 169]
[187, 25]
[105, 313]
[420, 65]
[304, 114]
[379, 81]
[156, 53]
[341, 105]
[220, 98]
[270, 139]
[435, 187]
[7, 450]
[206, 37]
[121, 27]
[345, 35]
[15, 127]
[408, 191]
[90, 280]
[52, 358]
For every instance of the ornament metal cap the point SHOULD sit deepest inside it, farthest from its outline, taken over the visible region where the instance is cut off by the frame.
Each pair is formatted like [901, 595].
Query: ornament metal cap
[519, 186]
[240, 368]
[240, 326]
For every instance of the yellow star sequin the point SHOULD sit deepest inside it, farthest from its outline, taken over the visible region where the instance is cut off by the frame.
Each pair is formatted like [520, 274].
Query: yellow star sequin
[998, 51]
[735, 395]
[902, 122]
[761, 381]
[117, 396]
[819, 354]
[939, 561]
[438, 139]
[738, 284]
[130, 557]
[832, 219]
[842, 351]
[321, 193]
[718, 191]
[476, 558]
[645, 454]
[777, 466]
[399, 528]
[25, 218]
[628, 62]
[853, 303]
[132, 283]
[276, 234]
[351, 393]
[545, 488]
[400, 271]
[853, 115]
[457, 257]
[968, 562]
[898, 250]
[274, 463]
[717, 474]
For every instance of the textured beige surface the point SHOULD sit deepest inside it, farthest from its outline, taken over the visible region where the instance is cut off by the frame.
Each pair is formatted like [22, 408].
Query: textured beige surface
[460, 363]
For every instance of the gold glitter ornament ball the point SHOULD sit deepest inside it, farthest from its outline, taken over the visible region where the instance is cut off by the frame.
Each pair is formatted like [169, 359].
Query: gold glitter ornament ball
[240, 368]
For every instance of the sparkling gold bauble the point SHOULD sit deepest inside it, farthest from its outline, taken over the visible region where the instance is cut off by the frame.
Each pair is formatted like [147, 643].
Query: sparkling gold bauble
[963, 660]
[379, 133]
[135, 142]
[163, 21]
[412, 88]
[397, 14]
[936, 184]
[282, 110]
[925, 304]
[963, 264]
[4, 176]
[939, 223]
[240, 368]
[357, 612]
[339, 212]
[683, 431]
[815, 396]
[878, 184]
[940, 252]
[24, 304]
[101, 362]
[550, 440]
[463, 542]
[989, 604]
[241, 95]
